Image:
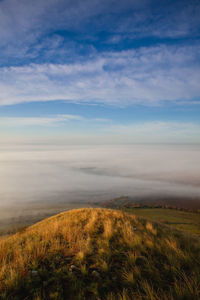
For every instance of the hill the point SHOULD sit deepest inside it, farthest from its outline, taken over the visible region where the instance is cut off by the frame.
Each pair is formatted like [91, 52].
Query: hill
[96, 253]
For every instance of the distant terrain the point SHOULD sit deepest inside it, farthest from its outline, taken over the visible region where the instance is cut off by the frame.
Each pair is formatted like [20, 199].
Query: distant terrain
[169, 201]
[98, 254]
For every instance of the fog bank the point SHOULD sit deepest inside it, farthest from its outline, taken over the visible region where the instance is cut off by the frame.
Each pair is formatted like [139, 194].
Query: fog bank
[53, 174]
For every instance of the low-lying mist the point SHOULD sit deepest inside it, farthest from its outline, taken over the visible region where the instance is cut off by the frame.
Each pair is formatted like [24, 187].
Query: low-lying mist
[36, 177]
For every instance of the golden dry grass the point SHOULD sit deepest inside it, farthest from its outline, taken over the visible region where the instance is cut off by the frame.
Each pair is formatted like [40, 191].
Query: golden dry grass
[99, 254]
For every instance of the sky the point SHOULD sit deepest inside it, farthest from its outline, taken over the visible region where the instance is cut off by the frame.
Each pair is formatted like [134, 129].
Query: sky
[100, 72]
[78, 78]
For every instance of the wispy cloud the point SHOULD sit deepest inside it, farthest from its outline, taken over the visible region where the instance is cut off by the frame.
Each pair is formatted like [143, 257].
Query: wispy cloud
[158, 131]
[53, 120]
[30, 31]
[37, 121]
[147, 75]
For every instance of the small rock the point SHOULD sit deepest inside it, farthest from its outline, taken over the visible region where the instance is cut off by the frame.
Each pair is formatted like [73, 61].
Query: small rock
[73, 268]
[96, 274]
[34, 273]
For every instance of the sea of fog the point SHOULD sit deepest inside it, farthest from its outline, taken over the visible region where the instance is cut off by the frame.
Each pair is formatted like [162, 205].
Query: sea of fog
[47, 175]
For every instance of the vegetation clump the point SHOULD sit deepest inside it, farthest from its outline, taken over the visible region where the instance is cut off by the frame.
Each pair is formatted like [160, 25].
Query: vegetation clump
[99, 254]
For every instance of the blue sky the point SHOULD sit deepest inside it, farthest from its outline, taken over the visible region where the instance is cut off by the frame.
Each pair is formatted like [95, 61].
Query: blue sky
[100, 71]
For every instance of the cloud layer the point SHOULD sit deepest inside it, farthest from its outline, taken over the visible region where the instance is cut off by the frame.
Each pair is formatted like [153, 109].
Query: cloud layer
[81, 172]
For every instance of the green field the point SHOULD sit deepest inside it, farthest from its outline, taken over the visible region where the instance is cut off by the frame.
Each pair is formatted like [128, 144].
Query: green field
[186, 221]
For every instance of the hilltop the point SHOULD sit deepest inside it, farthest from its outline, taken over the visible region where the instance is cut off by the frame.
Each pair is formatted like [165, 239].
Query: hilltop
[97, 253]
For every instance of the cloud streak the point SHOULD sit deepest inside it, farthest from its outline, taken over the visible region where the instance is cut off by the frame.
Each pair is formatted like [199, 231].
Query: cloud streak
[37, 121]
[157, 132]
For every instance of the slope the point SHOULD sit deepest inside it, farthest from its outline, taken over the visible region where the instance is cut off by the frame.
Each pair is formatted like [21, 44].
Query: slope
[99, 253]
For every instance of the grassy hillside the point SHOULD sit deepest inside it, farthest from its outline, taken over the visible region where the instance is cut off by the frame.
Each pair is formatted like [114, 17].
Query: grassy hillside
[99, 254]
